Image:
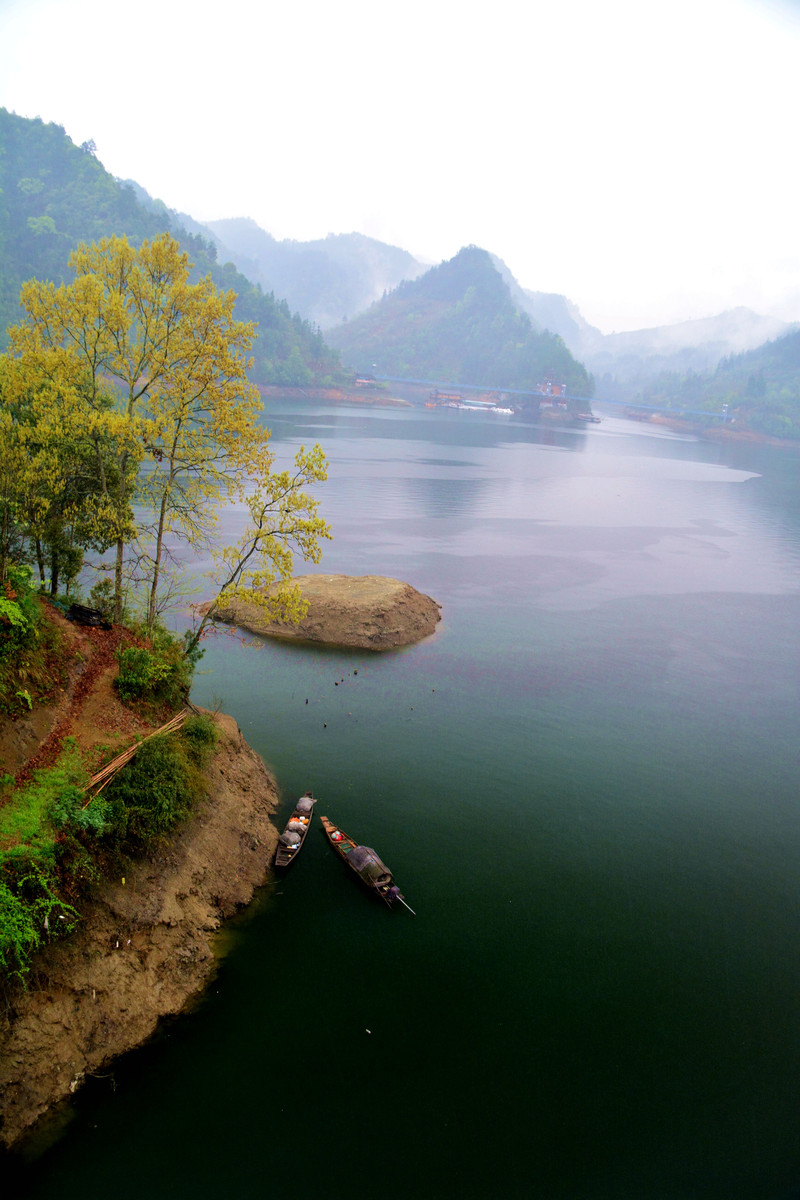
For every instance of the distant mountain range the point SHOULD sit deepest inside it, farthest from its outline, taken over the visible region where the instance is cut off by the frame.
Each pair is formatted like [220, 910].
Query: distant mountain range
[327, 281]
[332, 280]
[628, 360]
[466, 320]
[55, 195]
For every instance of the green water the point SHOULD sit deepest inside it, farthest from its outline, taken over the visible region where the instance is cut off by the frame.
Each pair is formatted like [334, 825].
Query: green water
[586, 783]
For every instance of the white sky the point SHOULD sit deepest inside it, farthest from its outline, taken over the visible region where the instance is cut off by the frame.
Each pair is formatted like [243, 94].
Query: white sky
[638, 157]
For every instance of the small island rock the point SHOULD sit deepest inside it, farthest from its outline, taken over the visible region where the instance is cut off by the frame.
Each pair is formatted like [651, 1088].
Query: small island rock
[368, 612]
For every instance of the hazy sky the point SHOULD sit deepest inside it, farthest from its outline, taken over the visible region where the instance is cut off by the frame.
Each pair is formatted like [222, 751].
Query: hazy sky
[639, 157]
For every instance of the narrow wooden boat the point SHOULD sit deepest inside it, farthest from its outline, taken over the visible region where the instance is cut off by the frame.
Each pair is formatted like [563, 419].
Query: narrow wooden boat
[290, 843]
[372, 872]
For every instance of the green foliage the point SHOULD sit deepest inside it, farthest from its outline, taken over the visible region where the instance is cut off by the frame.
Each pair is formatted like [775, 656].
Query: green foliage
[101, 597]
[200, 737]
[55, 838]
[30, 911]
[31, 908]
[458, 324]
[69, 812]
[160, 673]
[23, 645]
[152, 793]
[139, 672]
[761, 390]
[55, 195]
[11, 614]
[26, 819]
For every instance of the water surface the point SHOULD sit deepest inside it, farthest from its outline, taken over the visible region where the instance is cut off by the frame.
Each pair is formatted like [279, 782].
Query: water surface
[586, 783]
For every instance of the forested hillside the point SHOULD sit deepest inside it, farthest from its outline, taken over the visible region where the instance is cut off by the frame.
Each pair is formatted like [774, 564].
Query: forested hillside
[760, 388]
[328, 280]
[55, 195]
[459, 324]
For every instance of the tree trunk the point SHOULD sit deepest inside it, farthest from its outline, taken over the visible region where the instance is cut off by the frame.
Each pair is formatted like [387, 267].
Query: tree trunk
[118, 582]
[151, 608]
[40, 561]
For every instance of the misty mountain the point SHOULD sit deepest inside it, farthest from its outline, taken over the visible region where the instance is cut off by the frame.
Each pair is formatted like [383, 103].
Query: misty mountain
[328, 280]
[458, 323]
[55, 195]
[760, 388]
[549, 310]
[628, 360]
[632, 359]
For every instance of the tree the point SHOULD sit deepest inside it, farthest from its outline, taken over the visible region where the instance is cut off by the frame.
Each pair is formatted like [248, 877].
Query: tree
[153, 370]
[283, 519]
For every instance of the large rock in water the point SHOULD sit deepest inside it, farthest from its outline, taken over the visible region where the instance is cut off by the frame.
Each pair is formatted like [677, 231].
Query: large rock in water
[369, 612]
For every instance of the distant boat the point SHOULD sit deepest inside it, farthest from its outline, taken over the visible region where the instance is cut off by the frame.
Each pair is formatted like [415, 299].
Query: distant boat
[373, 873]
[587, 417]
[290, 843]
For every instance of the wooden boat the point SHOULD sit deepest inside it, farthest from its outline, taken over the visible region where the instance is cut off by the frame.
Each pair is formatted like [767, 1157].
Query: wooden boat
[373, 873]
[291, 840]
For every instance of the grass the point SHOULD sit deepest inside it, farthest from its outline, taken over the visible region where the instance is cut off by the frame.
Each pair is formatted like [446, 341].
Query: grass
[53, 835]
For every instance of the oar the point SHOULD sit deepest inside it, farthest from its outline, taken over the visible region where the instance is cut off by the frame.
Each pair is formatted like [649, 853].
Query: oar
[408, 906]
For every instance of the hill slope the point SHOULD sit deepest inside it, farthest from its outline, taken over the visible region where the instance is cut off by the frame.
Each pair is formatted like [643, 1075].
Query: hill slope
[458, 323]
[761, 388]
[54, 195]
[328, 280]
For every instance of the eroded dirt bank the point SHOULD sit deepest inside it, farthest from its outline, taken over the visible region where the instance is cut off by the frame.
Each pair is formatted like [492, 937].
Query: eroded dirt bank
[368, 612]
[144, 947]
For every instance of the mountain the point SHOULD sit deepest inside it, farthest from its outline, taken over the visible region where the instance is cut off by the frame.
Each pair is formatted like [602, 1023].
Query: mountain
[760, 388]
[549, 310]
[631, 359]
[458, 323]
[55, 195]
[328, 280]
[626, 361]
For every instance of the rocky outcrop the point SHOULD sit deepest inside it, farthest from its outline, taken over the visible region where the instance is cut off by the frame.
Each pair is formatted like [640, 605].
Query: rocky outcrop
[368, 612]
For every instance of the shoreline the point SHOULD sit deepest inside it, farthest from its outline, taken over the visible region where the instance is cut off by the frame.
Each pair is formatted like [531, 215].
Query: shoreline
[144, 950]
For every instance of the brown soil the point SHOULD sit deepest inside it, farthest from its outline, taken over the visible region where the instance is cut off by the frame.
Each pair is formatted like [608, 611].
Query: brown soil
[145, 945]
[370, 612]
[85, 706]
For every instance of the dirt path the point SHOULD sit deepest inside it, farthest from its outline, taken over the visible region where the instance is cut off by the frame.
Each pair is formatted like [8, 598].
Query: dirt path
[86, 707]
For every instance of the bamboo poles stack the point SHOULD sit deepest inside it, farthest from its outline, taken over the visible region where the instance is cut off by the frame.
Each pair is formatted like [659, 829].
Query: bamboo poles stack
[99, 781]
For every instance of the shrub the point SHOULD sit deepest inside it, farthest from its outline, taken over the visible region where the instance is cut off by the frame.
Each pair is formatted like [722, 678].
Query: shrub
[69, 812]
[200, 735]
[101, 597]
[161, 673]
[31, 911]
[151, 794]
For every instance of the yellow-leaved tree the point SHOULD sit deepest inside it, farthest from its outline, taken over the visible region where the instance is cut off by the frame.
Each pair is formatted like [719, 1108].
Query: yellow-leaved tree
[149, 371]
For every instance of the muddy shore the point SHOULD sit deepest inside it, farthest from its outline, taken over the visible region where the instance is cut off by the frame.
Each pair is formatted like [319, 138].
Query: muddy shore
[145, 946]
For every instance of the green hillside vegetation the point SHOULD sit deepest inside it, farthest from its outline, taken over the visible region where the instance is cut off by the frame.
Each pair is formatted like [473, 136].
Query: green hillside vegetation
[458, 324]
[55, 195]
[760, 388]
[126, 418]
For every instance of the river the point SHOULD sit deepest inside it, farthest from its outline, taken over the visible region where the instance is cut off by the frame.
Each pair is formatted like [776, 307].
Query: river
[586, 783]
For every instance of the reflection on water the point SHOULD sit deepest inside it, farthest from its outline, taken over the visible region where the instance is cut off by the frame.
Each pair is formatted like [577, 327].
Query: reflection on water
[586, 783]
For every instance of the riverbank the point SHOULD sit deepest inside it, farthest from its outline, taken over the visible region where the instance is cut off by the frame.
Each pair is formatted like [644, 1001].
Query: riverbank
[145, 945]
